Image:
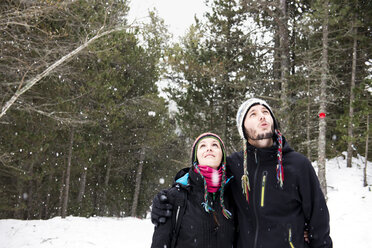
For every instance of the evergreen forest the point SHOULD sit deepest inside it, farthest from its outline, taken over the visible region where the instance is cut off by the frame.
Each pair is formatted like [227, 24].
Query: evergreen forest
[98, 113]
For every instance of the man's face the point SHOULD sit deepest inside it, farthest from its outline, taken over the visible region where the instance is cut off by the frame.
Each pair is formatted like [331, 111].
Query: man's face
[258, 123]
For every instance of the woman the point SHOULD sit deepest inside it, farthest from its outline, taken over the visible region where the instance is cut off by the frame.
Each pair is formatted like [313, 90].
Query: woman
[202, 213]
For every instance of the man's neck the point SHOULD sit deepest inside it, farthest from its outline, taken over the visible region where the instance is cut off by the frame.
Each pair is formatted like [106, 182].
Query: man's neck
[263, 143]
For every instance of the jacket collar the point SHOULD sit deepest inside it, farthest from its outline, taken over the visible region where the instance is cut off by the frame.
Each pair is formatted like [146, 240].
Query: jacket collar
[272, 150]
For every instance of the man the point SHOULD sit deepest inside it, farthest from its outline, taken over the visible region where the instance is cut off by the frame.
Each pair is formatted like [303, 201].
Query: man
[275, 189]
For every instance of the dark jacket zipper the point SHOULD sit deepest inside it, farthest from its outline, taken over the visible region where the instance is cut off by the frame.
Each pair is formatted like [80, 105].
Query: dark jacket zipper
[254, 199]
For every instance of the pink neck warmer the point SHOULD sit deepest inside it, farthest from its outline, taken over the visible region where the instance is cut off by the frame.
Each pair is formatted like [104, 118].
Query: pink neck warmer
[212, 177]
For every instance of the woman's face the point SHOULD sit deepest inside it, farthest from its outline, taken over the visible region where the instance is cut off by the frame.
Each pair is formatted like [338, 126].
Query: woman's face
[209, 152]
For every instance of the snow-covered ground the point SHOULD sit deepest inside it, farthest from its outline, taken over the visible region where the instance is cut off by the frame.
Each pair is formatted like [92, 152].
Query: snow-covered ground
[349, 204]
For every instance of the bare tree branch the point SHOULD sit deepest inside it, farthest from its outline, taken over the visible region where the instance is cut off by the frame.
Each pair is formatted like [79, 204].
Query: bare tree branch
[37, 78]
[54, 115]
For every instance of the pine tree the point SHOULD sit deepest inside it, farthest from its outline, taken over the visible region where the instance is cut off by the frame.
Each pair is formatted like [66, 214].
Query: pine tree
[213, 69]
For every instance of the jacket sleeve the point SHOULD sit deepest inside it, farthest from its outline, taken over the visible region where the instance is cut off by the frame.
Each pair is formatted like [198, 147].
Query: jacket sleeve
[314, 207]
[163, 232]
[162, 235]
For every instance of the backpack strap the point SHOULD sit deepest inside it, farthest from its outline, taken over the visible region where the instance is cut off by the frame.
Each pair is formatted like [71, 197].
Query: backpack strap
[180, 208]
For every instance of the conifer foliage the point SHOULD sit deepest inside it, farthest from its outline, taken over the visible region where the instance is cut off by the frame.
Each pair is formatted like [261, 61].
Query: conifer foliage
[71, 145]
[93, 136]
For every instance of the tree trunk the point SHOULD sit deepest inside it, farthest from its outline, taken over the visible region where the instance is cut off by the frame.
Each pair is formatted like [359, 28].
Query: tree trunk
[47, 200]
[225, 125]
[323, 104]
[61, 190]
[83, 182]
[68, 172]
[106, 183]
[18, 208]
[350, 128]
[38, 200]
[365, 182]
[30, 193]
[291, 52]
[284, 64]
[138, 183]
[308, 128]
[276, 63]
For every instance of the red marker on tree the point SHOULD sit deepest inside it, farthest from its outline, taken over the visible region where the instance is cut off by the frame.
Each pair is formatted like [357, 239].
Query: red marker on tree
[322, 115]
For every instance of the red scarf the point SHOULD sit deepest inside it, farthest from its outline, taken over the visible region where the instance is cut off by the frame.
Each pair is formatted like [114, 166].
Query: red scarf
[212, 177]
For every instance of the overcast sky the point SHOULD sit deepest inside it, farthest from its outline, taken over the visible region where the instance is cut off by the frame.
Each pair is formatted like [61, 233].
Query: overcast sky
[177, 14]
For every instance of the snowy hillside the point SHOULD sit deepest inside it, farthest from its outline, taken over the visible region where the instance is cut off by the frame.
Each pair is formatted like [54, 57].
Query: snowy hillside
[349, 204]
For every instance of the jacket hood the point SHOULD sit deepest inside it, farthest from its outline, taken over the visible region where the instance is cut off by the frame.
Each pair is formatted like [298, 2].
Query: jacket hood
[181, 173]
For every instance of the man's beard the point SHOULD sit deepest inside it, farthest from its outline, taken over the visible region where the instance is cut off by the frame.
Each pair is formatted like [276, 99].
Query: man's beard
[251, 134]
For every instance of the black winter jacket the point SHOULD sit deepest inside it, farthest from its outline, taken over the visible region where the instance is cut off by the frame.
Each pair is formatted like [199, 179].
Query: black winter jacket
[277, 217]
[198, 229]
